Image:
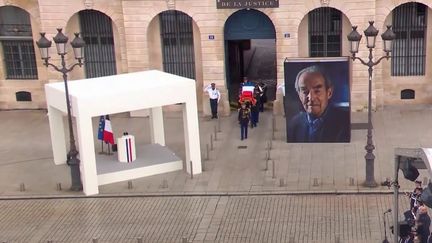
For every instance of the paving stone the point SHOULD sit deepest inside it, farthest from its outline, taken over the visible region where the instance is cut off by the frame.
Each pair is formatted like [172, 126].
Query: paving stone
[307, 218]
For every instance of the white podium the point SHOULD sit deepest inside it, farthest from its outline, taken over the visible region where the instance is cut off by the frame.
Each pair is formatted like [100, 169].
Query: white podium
[126, 148]
[88, 99]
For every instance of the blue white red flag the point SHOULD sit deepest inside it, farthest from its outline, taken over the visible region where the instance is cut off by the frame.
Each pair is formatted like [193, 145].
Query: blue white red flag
[108, 136]
[101, 127]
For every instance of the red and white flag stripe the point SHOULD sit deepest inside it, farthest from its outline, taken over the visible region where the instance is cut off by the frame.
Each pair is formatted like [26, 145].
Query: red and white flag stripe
[108, 135]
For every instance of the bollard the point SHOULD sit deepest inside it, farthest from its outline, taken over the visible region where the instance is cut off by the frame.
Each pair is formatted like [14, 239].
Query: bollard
[219, 125]
[211, 142]
[351, 181]
[274, 169]
[59, 187]
[130, 186]
[268, 155]
[191, 169]
[207, 152]
[140, 240]
[22, 187]
[273, 127]
[281, 182]
[215, 133]
[164, 183]
[184, 240]
[266, 168]
[95, 240]
[315, 182]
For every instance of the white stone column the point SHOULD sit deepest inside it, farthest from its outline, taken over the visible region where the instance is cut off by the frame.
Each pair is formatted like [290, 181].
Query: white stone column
[192, 141]
[157, 126]
[87, 155]
[58, 141]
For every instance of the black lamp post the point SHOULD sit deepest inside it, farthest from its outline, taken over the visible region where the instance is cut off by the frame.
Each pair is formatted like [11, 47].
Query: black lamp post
[354, 37]
[77, 44]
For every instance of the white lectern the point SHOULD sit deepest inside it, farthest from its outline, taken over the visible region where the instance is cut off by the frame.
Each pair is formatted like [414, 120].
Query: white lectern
[126, 148]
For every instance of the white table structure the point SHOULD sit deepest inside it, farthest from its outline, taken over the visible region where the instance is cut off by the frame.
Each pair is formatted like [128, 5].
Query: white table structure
[122, 93]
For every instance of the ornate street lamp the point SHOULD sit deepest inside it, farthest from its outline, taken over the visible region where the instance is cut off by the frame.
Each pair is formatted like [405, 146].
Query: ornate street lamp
[77, 44]
[354, 38]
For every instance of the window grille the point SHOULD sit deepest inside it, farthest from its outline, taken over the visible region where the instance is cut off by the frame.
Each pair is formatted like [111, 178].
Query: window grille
[19, 59]
[23, 96]
[17, 43]
[99, 51]
[325, 29]
[407, 94]
[177, 43]
[409, 47]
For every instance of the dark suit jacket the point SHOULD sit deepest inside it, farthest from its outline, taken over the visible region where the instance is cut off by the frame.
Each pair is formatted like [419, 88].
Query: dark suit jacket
[424, 222]
[335, 128]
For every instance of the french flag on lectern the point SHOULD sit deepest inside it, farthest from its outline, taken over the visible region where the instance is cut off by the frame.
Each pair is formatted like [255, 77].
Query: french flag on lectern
[128, 144]
[126, 148]
[108, 136]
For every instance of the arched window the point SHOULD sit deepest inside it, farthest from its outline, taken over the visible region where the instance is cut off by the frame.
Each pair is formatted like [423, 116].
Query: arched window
[409, 47]
[407, 94]
[177, 43]
[23, 96]
[325, 30]
[99, 52]
[17, 43]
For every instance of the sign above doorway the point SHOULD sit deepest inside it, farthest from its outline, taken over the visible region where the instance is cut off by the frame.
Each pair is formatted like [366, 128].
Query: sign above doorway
[224, 4]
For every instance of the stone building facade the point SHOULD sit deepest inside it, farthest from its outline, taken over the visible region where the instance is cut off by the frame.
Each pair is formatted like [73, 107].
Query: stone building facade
[135, 43]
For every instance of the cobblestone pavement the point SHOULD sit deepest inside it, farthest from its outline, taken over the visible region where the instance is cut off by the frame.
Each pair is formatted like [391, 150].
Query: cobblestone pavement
[26, 156]
[277, 218]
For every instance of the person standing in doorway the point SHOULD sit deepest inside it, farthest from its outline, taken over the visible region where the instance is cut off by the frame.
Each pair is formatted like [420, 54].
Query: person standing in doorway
[214, 96]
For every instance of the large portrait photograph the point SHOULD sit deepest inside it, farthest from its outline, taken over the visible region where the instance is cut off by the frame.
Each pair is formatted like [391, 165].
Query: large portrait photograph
[317, 101]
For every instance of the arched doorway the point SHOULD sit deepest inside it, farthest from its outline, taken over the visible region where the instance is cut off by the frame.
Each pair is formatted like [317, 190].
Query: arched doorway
[250, 51]
[99, 52]
[406, 74]
[177, 43]
[322, 33]
[174, 44]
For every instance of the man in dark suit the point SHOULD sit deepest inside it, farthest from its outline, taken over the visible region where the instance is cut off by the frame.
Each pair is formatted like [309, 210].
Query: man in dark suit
[423, 222]
[320, 121]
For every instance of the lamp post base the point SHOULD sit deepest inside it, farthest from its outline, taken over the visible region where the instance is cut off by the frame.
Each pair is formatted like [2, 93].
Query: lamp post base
[76, 188]
[76, 176]
[370, 160]
[370, 184]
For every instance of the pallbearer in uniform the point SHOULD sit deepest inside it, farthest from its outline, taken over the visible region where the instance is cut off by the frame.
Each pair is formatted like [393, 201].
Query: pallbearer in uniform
[214, 96]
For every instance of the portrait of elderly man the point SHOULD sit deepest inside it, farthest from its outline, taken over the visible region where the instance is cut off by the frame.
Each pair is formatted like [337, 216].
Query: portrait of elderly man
[320, 121]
